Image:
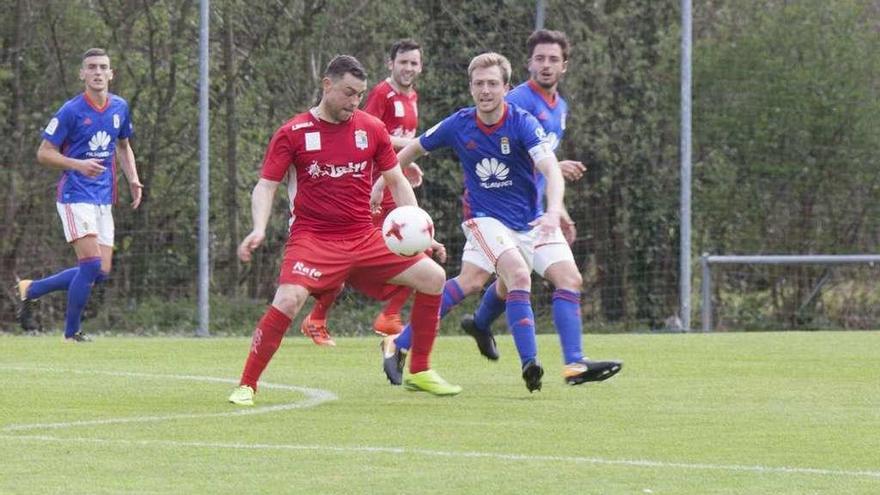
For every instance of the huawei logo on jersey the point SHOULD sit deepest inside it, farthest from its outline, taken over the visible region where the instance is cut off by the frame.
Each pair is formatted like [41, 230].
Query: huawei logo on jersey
[491, 168]
[100, 140]
[316, 169]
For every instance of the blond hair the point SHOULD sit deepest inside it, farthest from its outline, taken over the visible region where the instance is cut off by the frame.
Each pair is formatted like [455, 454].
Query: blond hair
[490, 59]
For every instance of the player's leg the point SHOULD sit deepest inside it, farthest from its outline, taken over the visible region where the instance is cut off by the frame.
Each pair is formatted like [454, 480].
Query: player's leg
[455, 290]
[427, 278]
[106, 234]
[516, 274]
[88, 255]
[556, 264]
[388, 321]
[270, 330]
[314, 325]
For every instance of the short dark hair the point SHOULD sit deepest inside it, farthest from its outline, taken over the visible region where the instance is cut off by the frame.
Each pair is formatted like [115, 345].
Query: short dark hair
[95, 52]
[404, 45]
[345, 64]
[546, 36]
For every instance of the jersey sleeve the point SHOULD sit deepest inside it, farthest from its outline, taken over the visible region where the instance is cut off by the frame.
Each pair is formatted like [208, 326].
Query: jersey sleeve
[59, 127]
[279, 156]
[520, 99]
[126, 129]
[533, 137]
[375, 104]
[439, 135]
[385, 158]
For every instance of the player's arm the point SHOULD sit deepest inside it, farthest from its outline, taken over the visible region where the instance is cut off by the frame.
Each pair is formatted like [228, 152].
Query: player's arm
[572, 169]
[405, 158]
[262, 198]
[400, 142]
[125, 157]
[49, 155]
[401, 190]
[547, 164]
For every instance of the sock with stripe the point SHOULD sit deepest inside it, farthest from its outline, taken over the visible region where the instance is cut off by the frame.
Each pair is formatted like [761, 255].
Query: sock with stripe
[567, 319]
[521, 320]
[491, 307]
[267, 338]
[451, 297]
[78, 293]
[425, 318]
[52, 283]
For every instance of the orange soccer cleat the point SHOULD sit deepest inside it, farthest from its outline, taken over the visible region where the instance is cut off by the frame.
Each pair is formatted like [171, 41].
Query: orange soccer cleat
[385, 325]
[317, 331]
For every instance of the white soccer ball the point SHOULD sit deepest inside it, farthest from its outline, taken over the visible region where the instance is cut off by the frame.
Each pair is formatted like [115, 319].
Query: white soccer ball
[408, 230]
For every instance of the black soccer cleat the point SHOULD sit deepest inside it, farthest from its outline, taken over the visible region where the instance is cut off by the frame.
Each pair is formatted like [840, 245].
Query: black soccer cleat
[24, 313]
[78, 337]
[532, 373]
[393, 360]
[485, 340]
[590, 371]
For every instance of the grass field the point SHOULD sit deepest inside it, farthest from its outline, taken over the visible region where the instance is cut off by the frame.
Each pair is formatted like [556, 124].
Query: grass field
[744, 413]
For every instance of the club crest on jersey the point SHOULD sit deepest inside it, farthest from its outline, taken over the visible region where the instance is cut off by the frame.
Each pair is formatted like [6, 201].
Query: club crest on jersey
[505, 146]
[360, 139]
[398, 109]
[116, 121]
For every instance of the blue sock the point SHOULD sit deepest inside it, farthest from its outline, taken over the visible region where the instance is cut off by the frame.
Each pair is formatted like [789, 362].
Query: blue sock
[567, 319]
[102, 277]
[521, 320]
[452, 295]
[491, 307]
[78, 293]
[58, 281]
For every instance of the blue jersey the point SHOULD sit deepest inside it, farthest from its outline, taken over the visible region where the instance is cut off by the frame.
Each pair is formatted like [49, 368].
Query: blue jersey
[499, 173]
[550, 113]
[81, 130]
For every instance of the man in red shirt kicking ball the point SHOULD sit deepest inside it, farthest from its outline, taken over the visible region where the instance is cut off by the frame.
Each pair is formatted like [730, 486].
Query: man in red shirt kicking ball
[328, 155]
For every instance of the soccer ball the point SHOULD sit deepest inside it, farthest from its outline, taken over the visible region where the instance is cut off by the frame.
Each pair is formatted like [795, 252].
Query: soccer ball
[408, 230]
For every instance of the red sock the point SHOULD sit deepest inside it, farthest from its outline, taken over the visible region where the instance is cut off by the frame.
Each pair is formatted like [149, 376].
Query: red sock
[267, 337]
[395, 304]
[424, 321]
[323, 303]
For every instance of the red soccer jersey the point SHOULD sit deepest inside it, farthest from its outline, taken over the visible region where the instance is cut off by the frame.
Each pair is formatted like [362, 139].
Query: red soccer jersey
[400, 113]
[330, 171]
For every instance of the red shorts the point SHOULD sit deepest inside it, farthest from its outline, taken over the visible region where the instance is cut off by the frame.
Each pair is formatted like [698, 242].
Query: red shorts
[321, 265]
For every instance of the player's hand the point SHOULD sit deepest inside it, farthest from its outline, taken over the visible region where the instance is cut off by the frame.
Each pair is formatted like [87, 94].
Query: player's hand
[137, 190]
[569, 231]
[90, 167]
[572, 170]
[546, 223]
[251, 242]
[413, 174]
[438, 250]
[376, 201]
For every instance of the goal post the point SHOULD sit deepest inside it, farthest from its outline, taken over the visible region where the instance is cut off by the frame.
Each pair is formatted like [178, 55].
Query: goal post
[707, 260]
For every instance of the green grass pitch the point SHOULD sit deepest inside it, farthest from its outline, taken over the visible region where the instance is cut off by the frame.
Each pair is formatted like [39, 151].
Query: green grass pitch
[733, 413]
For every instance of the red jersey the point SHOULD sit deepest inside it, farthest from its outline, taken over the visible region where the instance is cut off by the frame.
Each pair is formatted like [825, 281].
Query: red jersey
[330, 170]
[400, 113]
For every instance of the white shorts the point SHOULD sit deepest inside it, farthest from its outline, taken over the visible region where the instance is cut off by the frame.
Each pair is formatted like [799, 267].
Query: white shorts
[488, 238]
[84, 219]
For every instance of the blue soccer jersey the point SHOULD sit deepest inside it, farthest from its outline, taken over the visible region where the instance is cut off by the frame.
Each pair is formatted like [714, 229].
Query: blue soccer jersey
[550, 113]
[499, 174]
[82, 130]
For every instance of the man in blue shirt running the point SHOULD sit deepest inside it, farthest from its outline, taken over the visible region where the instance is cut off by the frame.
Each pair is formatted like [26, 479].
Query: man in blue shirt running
[502, 148]
[84, 139]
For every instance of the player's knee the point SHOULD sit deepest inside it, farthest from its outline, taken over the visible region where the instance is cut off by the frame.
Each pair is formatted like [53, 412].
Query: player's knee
[289, 301]
[471, 284]
[433, 280]
[519, 279]
[565, 277]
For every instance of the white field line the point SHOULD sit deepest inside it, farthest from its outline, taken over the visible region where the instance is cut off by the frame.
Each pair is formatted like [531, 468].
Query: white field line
[313, 397]
[455, 455]
[317, 396]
